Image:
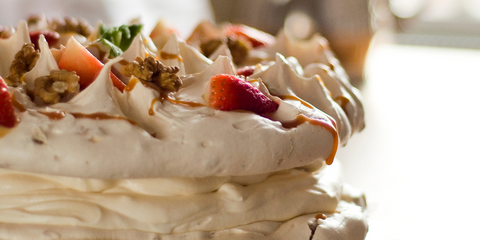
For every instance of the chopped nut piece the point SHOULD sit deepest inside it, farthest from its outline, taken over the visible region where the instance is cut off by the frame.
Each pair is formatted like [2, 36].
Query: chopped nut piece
[210, 46]
[152, 70]
[70, 24]
[238, 48]
[24, 61]
[55, 86]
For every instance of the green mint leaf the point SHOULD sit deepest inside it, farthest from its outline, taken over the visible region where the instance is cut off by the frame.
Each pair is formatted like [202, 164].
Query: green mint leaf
[121, 36]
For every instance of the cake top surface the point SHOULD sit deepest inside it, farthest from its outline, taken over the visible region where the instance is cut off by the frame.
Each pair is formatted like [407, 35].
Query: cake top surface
[141, 106]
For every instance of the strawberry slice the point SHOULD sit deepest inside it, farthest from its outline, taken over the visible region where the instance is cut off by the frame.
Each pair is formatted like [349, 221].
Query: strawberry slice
[256, 37]
[228, 92]
[7, 112]
[246, 71]
[51, 37]
[76, 57]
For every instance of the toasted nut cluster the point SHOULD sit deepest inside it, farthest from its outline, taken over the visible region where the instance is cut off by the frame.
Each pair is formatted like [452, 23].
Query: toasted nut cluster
[24, 61]
[55, 86]
[152, 70]
[238, 48]
[70, 24]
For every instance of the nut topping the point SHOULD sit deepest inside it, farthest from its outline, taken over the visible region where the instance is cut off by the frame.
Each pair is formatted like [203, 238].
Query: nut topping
[56, 86]
[152, 70]
[70, 24]
[24, 61]
[238, 48]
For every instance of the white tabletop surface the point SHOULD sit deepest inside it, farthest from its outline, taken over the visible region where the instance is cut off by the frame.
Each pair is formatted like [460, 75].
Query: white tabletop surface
[417, 159]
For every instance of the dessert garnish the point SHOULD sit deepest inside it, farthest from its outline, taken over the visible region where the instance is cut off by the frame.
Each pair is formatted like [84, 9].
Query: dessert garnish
[55, 86]
[66, 25]
[153, 71]
[238, 47]
[228, 92]
[256, 37]
[51, 37]
[118, 39]
[76, 57]
[24, 61]
[7, 111]
[246, 71]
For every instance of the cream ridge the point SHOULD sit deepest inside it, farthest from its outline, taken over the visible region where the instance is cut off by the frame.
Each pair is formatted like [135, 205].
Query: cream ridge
[171, 206]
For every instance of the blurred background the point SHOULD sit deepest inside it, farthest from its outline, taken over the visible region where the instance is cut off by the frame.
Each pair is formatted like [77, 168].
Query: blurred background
[416, 63]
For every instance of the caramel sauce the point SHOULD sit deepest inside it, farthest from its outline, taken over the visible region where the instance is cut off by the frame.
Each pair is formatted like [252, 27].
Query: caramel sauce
[329, 125]
[320, 216]
[131, 84]
[163, 97]
[151, 112]
[4, 131]
[101, 116]
[17, 104]
[291, 97]
[165, 55]
[314, 224]
[55, 115]
[342, 101]
[188, 104]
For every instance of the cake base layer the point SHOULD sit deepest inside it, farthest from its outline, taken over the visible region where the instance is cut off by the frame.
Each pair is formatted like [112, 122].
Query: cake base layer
[347, 223]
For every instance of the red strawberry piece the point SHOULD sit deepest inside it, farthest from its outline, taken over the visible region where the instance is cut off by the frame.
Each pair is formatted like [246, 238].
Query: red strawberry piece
[246, 71]
[229, 92]
[7, 112]
[256, 37]
[51, 37]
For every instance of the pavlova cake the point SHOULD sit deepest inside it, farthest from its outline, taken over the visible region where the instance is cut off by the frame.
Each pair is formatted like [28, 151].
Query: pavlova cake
[231, 133]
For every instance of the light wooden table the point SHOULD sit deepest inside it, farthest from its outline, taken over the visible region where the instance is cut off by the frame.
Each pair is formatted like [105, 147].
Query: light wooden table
[417, 159]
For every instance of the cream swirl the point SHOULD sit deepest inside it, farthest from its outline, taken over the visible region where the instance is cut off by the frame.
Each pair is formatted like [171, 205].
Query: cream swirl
[171, 206]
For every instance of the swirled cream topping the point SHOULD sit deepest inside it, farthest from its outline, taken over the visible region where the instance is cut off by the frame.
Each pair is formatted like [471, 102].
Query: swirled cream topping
[142, 163]
[105, 133]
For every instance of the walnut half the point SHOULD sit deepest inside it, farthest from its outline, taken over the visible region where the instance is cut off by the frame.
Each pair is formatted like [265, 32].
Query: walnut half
[152, 70]
[24, 61]
[51, 89]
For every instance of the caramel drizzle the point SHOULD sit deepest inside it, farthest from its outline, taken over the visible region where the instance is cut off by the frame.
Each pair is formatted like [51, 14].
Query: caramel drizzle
[4, 131]
[131, 84]
[329, 125]
[291, 97]
[342, 101]
[163, 97]
[165, 55]
[314, 224]
[151, 111]
[17, 104]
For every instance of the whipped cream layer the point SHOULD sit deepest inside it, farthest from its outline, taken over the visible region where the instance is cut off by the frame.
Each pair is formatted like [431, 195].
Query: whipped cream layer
[104, 133]
[262, 206]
